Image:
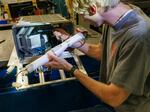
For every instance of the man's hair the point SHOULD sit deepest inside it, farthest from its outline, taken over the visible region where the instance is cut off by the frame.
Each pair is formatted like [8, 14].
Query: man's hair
[82, 5]
[108, 3]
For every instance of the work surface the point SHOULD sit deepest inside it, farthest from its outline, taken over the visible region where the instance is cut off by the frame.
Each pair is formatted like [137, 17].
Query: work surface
[7, 45]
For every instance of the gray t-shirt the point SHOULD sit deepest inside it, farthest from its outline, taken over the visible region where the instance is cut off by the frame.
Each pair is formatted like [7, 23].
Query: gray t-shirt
[126, 60]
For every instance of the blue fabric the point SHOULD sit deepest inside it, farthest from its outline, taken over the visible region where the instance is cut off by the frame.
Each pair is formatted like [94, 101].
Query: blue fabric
[97, 108]
[129, 19]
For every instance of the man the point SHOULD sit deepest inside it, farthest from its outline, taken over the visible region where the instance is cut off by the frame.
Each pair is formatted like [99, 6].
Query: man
[124, 54]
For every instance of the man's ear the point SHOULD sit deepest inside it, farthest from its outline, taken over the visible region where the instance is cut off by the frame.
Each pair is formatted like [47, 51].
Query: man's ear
[92, 9]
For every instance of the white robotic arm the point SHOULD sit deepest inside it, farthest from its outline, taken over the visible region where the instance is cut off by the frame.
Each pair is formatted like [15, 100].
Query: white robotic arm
[57, 50]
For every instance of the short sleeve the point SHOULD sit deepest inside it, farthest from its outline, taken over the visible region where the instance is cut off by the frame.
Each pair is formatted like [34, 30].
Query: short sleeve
[132, 68]
[106, 32]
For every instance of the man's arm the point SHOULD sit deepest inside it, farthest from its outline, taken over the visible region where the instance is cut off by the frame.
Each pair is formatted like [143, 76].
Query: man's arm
[91, 50]
[94, 51]
[111, 94]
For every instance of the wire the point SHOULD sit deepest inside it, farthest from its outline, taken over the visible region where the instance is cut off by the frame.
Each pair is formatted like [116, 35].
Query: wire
[82, 43]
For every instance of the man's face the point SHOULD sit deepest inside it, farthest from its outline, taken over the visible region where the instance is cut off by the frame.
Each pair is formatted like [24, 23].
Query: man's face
[88, 12]
[93, 16]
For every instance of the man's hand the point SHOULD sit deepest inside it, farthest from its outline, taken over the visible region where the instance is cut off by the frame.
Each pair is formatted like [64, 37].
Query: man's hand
[63, 35]
[57, 62]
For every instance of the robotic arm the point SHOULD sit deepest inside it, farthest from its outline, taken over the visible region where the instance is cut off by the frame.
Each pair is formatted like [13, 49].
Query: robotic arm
[58, 50]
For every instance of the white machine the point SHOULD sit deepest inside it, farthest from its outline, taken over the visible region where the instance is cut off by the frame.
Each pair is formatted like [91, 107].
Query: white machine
[32, 43]
[22, 75]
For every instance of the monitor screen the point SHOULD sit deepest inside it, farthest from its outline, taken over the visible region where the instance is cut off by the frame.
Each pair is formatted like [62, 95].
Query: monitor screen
[20, 9]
